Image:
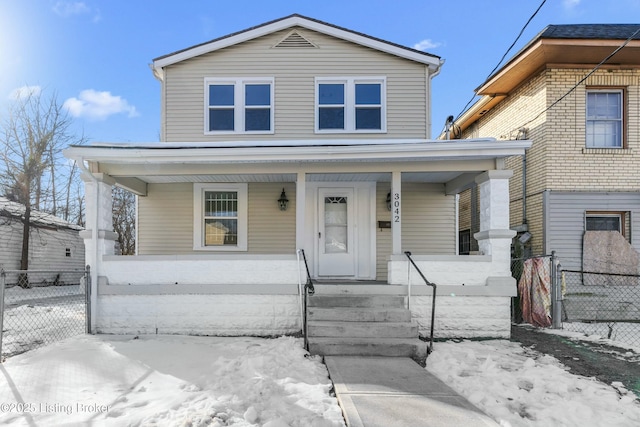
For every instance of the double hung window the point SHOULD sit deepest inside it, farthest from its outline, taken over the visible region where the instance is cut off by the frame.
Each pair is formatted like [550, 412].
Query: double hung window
[353, 104]
[604, 118]
[220, 219]
[239, 105]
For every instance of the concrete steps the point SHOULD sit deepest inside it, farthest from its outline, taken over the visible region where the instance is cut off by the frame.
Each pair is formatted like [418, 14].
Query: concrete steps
[360, 314]
[359, 323]
[337, 329]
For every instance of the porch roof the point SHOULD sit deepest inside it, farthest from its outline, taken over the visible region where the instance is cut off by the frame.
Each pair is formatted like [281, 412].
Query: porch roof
[133, 165]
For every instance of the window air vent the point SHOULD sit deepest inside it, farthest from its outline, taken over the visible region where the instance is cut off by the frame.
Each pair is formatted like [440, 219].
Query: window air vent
[294, 39]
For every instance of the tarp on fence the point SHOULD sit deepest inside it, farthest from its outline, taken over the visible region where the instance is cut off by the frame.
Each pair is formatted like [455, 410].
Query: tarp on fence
[534, 289]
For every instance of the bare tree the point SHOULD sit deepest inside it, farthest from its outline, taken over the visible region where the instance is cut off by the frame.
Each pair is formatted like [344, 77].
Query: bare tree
[124, 220]
[32, 137]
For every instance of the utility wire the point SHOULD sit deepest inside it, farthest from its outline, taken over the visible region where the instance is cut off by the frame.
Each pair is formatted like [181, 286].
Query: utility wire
[504, 56]
[581, 80]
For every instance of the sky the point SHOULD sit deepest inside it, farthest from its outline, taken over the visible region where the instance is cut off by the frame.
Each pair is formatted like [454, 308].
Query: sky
[94, 55]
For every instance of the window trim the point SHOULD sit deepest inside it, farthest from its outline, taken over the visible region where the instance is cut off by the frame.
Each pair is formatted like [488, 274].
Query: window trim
[623, 115]
[350, 103]
[239, 106]
[198, 216]
[613, 214]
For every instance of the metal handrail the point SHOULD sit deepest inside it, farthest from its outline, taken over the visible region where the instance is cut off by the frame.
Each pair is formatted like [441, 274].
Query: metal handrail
[308, 290]
[433, 300]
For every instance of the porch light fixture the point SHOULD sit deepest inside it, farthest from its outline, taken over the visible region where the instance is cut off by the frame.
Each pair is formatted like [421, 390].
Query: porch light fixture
[283, 201]
[389, 201]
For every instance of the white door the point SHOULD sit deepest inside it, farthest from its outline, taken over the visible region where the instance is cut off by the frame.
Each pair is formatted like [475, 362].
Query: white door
[336, 232]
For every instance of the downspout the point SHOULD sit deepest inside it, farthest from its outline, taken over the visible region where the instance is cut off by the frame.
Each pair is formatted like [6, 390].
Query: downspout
[522, 134]
[430, 77]
[524, 187]
[94, 237]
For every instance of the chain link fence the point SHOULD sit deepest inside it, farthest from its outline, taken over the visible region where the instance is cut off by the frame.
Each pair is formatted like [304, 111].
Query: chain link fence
[596, 304]
[603, 304]
[39, 307]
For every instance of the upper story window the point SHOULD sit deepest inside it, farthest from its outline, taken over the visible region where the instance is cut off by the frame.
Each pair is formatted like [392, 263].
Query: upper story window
[605, 118]
[350, 104]
[241, 105]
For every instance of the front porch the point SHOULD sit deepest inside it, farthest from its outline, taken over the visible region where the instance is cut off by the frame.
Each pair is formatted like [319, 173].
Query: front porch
[261, 295]
[390, 198]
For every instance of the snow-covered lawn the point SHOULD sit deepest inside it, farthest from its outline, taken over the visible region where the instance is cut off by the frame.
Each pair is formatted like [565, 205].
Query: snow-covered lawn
[41, 315]
[168, 381]
[520, 387]
[620, 333]
[197, 381]
[16, 294]
[29, 326]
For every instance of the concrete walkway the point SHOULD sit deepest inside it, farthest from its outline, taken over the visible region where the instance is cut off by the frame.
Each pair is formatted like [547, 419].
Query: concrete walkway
[397, 392]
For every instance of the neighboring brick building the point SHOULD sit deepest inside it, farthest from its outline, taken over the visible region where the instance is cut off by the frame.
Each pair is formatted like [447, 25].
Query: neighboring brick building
[584, 121]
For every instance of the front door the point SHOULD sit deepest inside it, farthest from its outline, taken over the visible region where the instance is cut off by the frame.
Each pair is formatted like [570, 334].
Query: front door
[336, 232]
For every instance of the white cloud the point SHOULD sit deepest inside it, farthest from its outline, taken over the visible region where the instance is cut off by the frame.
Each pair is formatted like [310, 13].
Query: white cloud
[570, 4]
[25, 92]
[96, 105]
[425, 44]
[66, 8]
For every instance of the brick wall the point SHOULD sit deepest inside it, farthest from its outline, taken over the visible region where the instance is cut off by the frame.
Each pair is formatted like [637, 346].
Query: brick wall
[558, 159]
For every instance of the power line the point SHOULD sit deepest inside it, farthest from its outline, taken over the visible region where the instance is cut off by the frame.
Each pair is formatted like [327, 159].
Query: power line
[504, 55]
[581, 80]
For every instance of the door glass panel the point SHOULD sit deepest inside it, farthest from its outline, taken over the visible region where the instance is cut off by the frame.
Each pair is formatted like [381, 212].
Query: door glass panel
[335, 225]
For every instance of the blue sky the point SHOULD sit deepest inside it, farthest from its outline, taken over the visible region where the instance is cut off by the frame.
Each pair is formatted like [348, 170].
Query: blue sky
[95, 54]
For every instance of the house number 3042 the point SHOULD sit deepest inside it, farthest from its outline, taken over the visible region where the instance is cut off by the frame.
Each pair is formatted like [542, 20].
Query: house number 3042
[396, 207]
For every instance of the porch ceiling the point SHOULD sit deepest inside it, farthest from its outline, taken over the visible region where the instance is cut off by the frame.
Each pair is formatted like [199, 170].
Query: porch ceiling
[421, 177]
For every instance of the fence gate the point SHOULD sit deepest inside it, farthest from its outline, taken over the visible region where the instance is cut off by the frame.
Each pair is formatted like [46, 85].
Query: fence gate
[39, 307]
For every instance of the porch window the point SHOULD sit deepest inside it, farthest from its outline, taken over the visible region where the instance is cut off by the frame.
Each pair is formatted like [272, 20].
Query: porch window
[220, 220]
[604, 119]
[351, 104]
[239, 105]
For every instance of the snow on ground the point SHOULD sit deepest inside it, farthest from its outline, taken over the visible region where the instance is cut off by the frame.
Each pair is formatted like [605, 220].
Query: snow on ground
[621, 334]
[520, 387]
[168, 380]
[16, 294]
[196, 381]
[41, 315]
[28, 326]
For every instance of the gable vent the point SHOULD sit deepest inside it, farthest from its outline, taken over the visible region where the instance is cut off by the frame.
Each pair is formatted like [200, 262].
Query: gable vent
[294, 39]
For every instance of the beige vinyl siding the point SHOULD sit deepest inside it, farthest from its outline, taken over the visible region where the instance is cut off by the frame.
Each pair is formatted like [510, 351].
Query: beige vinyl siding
[165, 219]
[271, 231]
[294, 71]
[428, 223]
[428, 220]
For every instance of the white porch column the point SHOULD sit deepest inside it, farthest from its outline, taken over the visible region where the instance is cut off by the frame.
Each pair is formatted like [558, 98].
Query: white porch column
[301, 202]
[396, 212]
[99, 237]
[494, 237]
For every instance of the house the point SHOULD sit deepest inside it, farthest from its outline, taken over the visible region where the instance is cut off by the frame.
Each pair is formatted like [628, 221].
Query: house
[574, 91]
[295, 135]
[55, 245]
